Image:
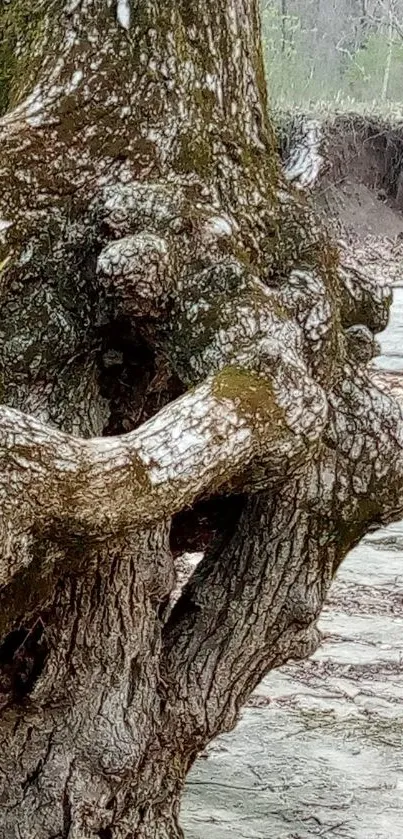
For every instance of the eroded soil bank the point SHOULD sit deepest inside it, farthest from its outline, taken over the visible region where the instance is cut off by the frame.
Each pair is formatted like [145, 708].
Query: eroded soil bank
[319, 750]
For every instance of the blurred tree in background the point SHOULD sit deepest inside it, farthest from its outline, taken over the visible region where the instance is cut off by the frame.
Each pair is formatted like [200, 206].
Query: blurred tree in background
[334, 49]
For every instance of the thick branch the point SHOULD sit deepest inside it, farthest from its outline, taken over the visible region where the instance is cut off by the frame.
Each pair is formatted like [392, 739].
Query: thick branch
[250, 606]
[253, 604]
[199, 443]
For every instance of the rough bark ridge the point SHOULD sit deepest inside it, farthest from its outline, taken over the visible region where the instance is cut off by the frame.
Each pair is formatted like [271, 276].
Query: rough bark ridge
[174, 328]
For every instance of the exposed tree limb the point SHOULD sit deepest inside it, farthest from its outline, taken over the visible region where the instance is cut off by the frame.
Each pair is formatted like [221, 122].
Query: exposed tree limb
[304, 161]
[197, 444]
[312, 526]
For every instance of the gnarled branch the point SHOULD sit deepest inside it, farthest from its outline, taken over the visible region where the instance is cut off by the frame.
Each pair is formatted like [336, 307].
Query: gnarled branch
[200, 443]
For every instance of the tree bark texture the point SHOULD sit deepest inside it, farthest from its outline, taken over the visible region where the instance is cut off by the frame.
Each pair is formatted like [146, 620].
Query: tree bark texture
[176, 334]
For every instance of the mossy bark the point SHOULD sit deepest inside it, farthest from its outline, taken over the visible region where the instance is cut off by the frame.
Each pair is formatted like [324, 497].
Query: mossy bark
[161, 282]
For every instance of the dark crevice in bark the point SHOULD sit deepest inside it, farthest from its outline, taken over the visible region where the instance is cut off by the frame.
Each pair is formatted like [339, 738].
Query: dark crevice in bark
[133, 681]
[32, 776]
[135, 379]
[210, 521]
[67, 815]
[23, 653]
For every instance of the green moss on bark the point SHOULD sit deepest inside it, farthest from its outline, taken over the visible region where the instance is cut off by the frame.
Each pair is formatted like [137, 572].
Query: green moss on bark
[21, 27]
[252, 395]
[195, 155]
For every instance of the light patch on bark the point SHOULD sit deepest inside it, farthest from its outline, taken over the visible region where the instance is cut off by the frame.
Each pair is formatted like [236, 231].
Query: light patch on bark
[304, 161]
[219, 226]
[123, 13]
[126, 206]
[307, 292]
[185, 565]
[136, 271]
[193, 438]
[35, 109]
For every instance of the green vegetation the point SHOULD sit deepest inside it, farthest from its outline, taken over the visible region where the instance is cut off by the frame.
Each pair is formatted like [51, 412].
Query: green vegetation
[331, 57]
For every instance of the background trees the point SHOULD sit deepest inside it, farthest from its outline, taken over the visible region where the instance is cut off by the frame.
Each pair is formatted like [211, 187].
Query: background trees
[338, 49]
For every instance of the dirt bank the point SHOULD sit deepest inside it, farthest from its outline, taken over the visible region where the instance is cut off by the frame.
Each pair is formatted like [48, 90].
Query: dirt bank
[362, 181]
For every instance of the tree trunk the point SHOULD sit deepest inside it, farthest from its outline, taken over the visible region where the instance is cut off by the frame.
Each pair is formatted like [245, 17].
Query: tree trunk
[283, 25]
[177, 337]
[388, 62]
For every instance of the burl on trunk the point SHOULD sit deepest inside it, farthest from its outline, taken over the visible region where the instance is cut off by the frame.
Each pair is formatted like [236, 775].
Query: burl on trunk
[183, 362]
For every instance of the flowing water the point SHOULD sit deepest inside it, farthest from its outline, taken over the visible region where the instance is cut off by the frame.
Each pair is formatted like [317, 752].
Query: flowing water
[319, 749]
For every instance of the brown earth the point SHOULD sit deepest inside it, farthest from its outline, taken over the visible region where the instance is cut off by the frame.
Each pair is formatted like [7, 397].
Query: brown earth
[360, 191]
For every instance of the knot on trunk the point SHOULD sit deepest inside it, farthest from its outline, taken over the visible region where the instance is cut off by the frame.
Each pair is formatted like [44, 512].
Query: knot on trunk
[136, 272]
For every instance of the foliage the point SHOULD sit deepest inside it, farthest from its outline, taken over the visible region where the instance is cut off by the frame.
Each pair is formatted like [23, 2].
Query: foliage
[364, 77]
[291, 67]
[305, 64]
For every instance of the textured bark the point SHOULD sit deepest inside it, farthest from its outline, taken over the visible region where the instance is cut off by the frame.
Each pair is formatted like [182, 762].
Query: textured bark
[175, 329]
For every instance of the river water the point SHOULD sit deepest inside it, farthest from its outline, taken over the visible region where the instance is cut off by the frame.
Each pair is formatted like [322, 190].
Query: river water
[319, 749]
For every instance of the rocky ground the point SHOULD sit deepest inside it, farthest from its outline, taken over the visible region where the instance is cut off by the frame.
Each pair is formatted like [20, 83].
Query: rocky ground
[319, 750]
